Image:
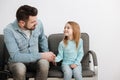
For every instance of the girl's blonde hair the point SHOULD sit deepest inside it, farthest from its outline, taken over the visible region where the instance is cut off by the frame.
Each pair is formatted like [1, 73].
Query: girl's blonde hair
[76, 33]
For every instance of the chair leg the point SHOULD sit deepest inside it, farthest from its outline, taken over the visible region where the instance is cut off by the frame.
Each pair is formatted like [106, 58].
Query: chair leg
[27, 78]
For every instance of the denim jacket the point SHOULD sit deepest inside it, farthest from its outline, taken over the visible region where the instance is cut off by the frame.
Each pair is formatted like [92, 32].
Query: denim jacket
[22, 49]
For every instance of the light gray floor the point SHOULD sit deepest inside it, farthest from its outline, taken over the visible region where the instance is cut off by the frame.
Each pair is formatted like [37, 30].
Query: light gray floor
[62, 79]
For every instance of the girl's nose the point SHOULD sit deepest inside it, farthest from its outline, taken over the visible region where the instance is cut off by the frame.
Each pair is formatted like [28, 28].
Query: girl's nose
[65, 28]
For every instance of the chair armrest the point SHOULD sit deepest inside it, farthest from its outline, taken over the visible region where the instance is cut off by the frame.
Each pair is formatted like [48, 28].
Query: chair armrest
[94, 57]
[95, 63]
[5, 71]
[4, 74]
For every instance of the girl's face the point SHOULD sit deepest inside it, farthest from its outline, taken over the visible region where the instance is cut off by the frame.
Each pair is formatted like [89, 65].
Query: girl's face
[68, 31]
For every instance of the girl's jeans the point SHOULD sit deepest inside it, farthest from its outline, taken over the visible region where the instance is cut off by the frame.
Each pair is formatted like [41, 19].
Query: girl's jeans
[68, 72]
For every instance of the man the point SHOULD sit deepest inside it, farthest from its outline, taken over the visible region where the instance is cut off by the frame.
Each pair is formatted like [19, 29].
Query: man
[23, 38]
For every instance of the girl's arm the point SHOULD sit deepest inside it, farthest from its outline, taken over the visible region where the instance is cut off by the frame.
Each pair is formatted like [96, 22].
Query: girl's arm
[60, 53]
[80, 53]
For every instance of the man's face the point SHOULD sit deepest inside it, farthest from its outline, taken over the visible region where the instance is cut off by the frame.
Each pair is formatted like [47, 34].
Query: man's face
[31, 23]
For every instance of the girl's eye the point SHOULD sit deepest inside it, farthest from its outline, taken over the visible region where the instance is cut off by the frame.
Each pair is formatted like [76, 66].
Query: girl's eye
[68, 28]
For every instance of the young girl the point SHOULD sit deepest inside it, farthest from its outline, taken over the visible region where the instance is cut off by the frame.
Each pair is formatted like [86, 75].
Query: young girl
[71, 51]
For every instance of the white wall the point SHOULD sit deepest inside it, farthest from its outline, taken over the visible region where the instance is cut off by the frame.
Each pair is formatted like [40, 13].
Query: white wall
[99, 18]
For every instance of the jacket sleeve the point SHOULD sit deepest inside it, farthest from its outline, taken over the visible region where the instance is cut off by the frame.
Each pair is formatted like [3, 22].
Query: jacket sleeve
[43, 42]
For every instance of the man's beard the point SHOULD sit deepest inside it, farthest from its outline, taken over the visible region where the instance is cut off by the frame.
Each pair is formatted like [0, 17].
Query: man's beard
[32, 28]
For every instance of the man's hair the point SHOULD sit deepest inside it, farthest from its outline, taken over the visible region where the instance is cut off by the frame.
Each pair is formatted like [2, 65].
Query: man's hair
[25, 11]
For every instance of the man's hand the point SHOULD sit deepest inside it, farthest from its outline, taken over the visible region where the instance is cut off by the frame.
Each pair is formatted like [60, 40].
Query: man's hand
[50, 56]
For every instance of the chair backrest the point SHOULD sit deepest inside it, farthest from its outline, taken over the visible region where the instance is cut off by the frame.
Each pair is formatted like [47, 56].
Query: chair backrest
[53, 42]
[4, 55]
[1, 51]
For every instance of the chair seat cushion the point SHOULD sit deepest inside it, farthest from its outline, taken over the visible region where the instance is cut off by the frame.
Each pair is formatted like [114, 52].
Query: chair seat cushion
[57, 72]
[88, 73]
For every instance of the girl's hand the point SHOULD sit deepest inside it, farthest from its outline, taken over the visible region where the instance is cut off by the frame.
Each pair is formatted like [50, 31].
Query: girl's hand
[54, 63]
[73, 66]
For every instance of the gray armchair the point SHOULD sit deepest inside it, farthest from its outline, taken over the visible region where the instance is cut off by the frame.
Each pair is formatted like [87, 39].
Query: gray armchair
[89, 61]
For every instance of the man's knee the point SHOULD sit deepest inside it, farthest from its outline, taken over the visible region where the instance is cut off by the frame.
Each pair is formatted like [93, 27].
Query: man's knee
[43, 64]
[18, 68]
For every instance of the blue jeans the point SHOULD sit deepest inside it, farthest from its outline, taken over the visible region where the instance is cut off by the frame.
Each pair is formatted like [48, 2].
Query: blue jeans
[68, 72]
[19, 69]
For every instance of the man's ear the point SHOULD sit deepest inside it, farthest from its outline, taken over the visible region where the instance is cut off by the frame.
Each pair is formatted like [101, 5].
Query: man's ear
[21, 23]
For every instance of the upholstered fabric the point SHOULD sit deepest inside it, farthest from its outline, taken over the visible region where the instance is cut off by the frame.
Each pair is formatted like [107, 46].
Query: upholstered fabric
[1, 52]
